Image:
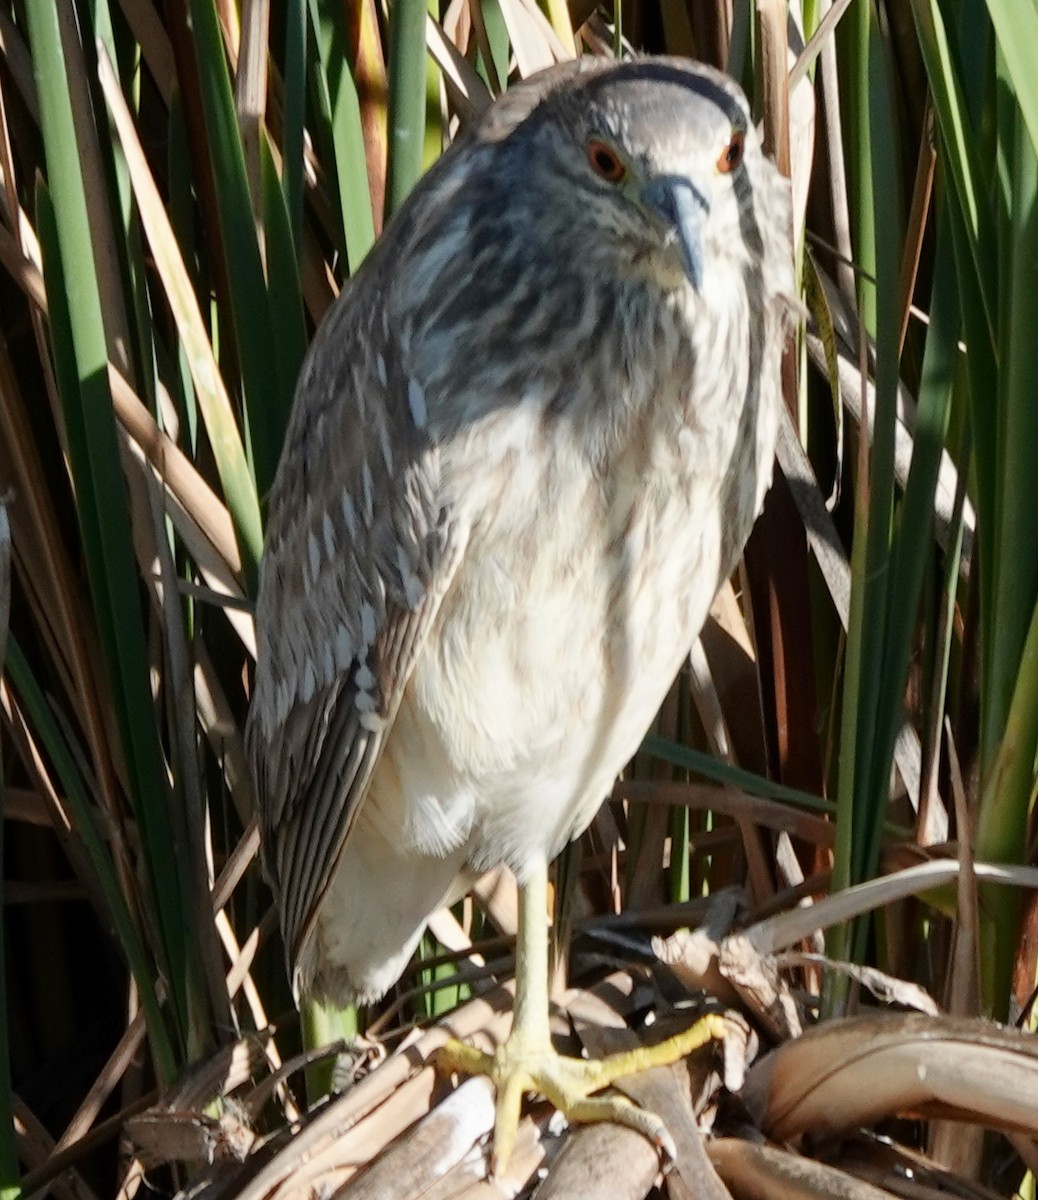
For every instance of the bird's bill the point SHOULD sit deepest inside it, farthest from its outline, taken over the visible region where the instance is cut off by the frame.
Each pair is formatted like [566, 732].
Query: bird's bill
[680, 205]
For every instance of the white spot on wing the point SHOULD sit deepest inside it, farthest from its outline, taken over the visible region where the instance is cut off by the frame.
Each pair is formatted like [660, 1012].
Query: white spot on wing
[306, 692]
[372, 722]
[365, 702]
[314, 552]
[364, 679]
[378, 589]
[284, 701]
[367, 625]
[343, 648]
[380, 367]
[329, 537]
[349, 513]
[416, 403]
[384, 446]
[369, 492]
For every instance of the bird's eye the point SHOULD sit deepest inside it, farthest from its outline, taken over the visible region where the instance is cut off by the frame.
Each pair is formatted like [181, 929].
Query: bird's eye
[731, 155]
[605, 161]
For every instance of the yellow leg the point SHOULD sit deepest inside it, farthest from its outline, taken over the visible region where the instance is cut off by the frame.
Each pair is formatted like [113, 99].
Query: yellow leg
[527, 1062]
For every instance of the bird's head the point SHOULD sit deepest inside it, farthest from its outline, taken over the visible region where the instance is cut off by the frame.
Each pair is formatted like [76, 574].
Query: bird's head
[653, 165]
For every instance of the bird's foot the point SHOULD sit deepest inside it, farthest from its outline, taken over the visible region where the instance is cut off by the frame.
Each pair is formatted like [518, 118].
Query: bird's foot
[530, 1065]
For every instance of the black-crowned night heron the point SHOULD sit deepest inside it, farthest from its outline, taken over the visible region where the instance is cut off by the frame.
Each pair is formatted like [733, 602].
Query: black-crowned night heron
[528, 443]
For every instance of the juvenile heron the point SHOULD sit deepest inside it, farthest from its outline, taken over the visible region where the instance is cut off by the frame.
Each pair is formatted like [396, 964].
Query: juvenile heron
[528, 443]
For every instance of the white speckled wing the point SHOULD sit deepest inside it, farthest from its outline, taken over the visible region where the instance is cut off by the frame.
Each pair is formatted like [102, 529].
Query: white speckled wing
[360, 550]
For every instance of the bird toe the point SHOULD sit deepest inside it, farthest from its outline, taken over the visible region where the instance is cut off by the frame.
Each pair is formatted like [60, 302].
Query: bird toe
[521, 1067]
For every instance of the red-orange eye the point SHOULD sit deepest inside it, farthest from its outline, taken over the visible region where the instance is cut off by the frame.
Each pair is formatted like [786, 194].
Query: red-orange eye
[605, 161]
[731, 155]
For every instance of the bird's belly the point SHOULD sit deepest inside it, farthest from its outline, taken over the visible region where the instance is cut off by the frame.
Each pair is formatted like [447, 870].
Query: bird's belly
[547, 665]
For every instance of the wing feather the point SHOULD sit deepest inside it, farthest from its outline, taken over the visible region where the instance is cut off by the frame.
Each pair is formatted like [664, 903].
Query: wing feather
[360, 551]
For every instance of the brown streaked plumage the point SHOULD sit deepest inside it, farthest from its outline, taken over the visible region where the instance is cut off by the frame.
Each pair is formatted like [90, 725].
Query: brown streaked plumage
[528, 443]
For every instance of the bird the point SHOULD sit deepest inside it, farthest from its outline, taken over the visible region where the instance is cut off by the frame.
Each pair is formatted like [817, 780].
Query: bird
[527, 445]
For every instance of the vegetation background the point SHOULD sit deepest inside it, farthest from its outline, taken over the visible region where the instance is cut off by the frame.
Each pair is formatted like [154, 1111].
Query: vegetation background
[186, 185]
